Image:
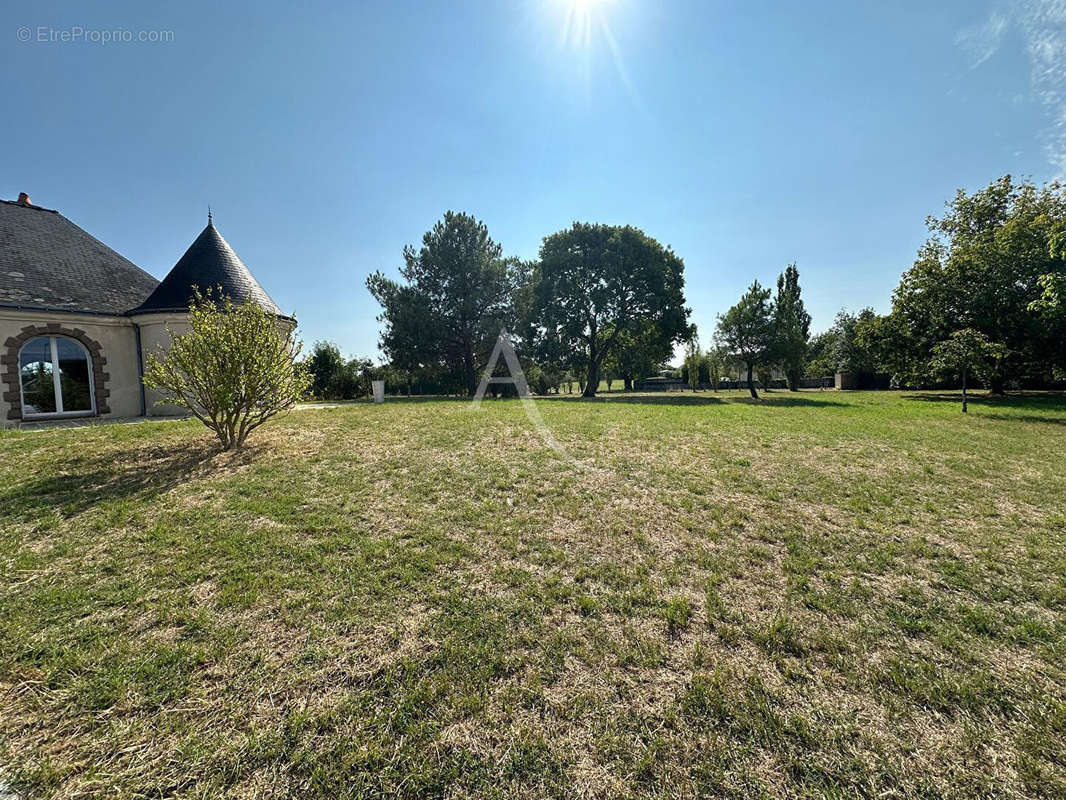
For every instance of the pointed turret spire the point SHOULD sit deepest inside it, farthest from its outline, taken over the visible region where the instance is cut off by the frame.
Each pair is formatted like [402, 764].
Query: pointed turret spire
[208, 263]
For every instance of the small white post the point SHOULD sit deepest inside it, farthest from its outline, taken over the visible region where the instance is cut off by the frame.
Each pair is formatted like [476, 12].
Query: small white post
[379, 391]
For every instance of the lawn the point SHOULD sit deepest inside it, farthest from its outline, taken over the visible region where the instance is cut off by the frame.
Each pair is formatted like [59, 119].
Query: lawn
[822, 594]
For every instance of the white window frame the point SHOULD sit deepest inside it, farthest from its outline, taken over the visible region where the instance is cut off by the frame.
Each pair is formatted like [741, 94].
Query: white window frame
[57, 386]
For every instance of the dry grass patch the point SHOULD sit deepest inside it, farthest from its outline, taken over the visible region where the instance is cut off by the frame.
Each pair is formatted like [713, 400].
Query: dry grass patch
[828, 594]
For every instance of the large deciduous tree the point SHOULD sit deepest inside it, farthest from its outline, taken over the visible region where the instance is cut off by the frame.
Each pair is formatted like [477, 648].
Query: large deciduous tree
[458, 296]
[597, 283]
[747, 330]
[792, 327]
[981, 269]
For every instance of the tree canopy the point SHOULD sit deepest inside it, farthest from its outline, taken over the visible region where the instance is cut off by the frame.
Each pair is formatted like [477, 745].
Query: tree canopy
[458, 296]
[639, 353]
[598, 283]
[747, 330]
[964, 353]
[792, 327]
[982, 269]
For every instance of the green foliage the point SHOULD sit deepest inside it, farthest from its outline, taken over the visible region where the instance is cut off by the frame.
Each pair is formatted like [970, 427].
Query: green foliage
[1052, 301]
[411, 335]
[967, 352]
[715, 362]
[765, 373]
[792, 327]
[982, 269]
[693, 364]
[821, 355]
[598, 282]
[639, 353]
[333, 378]
[235, 368]
[324, 365]
[747, 330]
[460, 292]
[854, 342]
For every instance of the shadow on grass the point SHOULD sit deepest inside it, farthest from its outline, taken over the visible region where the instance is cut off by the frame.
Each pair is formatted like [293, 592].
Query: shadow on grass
[781, 400]
[1051, 402]
[83, 482]
[1025, 418]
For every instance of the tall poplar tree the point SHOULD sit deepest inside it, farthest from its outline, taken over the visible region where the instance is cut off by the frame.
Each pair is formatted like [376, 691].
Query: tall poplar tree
[792, 327]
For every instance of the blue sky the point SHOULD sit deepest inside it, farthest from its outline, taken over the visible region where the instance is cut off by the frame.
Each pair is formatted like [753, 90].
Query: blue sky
[328, 135]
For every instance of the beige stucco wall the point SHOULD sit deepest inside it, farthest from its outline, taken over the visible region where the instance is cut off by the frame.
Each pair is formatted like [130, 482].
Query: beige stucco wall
[115, 336]
[156, 332]
[118, 344]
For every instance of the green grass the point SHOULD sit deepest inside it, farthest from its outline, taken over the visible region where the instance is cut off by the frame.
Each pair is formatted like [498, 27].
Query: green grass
[817, 595]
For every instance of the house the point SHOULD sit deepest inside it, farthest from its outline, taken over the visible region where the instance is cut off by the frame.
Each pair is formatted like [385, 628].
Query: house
[77, 318]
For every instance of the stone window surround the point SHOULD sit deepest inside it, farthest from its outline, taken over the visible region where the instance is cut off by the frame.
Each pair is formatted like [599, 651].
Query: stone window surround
[9, 369]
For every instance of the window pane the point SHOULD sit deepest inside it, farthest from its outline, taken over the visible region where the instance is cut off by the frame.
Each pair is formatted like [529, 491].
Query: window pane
[35, 366]
[73, 376]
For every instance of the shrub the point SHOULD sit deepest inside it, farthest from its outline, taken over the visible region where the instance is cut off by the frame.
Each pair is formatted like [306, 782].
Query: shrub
[235, 368]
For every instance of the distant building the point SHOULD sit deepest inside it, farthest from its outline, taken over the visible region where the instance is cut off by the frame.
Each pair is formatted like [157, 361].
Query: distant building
[862, 380]
[77, 318]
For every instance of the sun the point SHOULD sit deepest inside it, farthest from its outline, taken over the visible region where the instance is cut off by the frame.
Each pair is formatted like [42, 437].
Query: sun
[585, 34]
[581, 18]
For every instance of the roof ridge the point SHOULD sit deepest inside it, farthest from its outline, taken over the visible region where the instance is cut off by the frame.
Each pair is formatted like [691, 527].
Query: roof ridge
[30, 205]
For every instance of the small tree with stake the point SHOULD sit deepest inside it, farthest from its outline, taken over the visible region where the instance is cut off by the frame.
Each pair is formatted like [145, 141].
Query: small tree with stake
[235, 368]
[964, 353]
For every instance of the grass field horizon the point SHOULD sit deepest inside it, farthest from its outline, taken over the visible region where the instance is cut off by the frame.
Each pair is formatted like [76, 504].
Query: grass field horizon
[814, 594]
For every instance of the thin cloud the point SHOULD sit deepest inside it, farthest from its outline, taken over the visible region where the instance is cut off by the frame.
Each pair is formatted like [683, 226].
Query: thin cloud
[1042, 26]
[982, 42]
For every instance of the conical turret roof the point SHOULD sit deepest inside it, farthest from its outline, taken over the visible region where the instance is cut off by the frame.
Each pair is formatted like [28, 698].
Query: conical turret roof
[209, 263]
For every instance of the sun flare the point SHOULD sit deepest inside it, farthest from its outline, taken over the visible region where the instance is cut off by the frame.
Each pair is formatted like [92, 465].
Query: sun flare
[581, 19]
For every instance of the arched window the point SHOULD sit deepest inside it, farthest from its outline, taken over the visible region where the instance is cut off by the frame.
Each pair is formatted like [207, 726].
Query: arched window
[56, 375]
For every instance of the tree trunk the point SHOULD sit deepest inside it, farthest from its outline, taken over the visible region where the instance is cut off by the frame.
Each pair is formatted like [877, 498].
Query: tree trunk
[592, 382]
[793, 381]
[628, 384]
[751, 380]
[964, 392]
[469, 375]
[997, 385]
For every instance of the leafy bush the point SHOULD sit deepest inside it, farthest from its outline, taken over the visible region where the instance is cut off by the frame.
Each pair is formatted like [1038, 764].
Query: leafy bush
[235, 368]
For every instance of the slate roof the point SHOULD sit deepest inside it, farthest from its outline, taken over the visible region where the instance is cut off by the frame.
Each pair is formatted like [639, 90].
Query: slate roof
[47, 262]
[208, 263]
